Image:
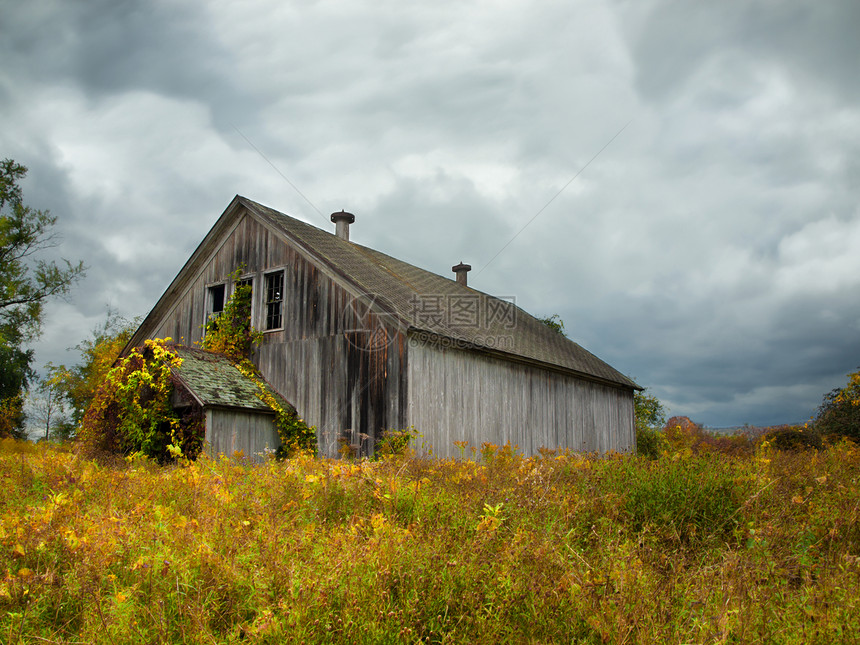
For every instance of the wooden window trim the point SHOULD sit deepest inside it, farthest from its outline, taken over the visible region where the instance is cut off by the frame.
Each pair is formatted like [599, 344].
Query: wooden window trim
[266, 302]
[209, 301]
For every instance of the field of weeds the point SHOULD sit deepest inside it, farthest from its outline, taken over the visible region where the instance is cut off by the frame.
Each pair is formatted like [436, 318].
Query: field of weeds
[700, 548]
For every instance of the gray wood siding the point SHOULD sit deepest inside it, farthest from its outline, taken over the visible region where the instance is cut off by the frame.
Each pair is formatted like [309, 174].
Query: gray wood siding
[323, 361]
[457, 395]
[338, 384]
[229, 431]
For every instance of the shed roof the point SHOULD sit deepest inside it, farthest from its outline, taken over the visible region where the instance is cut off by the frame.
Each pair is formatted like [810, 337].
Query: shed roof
[422, 301]
[216, 382]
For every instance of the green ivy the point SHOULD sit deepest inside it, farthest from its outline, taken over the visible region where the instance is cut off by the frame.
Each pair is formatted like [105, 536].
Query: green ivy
[231, 332]
[295, 435]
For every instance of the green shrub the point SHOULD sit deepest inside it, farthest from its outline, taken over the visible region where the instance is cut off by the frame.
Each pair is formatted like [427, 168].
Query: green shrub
[649, 415]
[688, 499]
[395, 442]
[792, 438]
[839, 414]
[649, 442]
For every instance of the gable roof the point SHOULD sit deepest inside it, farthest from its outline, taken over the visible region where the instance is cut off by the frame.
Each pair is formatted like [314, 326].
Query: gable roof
[413, 298]
[214, 381]
[412, 294]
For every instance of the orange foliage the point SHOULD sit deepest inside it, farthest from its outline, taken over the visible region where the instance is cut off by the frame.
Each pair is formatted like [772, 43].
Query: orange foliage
[682, 434]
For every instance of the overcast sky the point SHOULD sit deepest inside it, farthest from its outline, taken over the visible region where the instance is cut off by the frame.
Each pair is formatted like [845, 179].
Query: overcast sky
[711, 251]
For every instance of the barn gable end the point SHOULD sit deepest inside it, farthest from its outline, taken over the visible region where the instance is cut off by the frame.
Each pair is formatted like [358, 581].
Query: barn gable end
[320, 359]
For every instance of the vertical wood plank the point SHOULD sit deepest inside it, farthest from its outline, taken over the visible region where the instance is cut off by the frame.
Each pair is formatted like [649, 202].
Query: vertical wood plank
[455, 395]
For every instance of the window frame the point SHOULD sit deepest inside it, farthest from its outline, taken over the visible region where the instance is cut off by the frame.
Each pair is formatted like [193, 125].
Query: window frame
[265, 299]
[209, 314]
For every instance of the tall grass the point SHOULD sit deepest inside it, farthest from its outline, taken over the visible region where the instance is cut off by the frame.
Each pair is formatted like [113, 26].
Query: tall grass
[554, 548]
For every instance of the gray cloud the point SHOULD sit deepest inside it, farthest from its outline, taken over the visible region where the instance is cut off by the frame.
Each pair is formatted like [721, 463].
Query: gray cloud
[106, 47]
[814, 43]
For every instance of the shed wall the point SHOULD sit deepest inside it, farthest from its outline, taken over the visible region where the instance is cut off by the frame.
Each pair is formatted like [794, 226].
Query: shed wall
[229, 431]
[459, 395]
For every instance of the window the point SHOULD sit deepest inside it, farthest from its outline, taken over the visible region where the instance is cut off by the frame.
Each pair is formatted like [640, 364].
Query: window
[214, 301]
[275, 300]
[245, 282]
[245, 305]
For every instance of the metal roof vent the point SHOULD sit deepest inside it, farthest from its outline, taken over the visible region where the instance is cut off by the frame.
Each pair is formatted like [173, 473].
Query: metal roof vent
[342, 220]
[461, 270]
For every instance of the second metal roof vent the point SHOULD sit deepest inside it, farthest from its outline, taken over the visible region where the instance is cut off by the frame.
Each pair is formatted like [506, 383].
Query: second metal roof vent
[342, 220]
[461, 270]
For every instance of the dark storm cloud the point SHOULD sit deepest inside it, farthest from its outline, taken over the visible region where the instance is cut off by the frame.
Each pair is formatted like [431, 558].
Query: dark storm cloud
[815, 42]
[108, 46]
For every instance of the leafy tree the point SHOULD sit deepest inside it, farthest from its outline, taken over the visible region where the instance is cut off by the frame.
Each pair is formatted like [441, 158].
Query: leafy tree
[648, 410]
[839, 413]
[12, 417]
[78, 384]
[15, 374]
[555, 323]
[26, 283]
[649, 416]
[47, 408]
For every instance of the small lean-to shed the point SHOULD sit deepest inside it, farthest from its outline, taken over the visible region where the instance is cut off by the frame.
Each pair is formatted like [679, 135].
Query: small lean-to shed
[235, 417]
[361, 342]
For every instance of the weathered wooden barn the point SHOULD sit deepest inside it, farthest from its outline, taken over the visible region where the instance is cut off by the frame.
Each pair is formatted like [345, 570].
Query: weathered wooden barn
[361, 342]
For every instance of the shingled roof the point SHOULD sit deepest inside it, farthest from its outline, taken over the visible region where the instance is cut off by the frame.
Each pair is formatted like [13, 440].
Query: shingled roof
[410, 296]
[214, 381]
